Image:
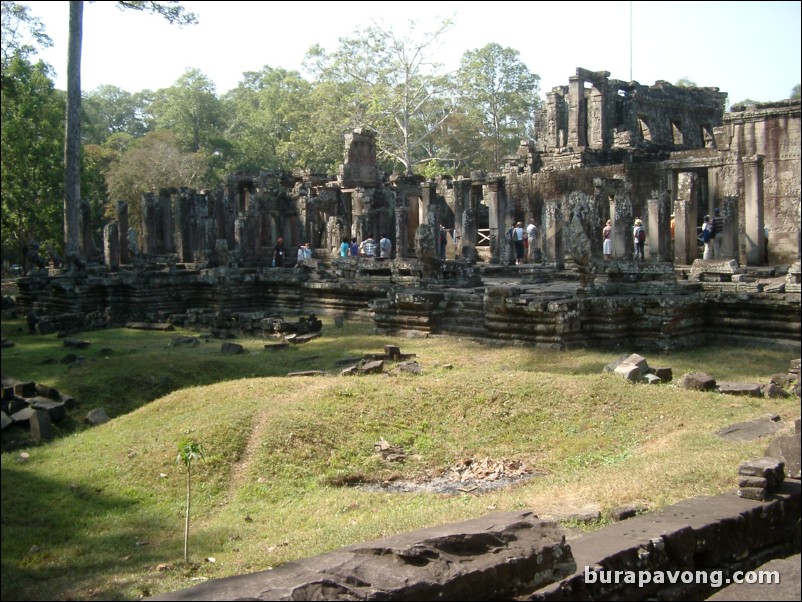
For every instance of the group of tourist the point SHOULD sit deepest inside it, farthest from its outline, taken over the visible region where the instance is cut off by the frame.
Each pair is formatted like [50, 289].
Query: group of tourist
[710, 236]
[367, 248]
[524, 241]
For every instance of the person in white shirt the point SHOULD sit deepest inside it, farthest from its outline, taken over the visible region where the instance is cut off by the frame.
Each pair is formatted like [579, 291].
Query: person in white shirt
[531, 240]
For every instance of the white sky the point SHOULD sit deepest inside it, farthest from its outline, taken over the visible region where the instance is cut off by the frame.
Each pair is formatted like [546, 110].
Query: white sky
[746, 49]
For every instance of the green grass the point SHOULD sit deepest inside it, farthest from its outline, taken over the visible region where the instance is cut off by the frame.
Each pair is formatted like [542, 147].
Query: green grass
[98, 513]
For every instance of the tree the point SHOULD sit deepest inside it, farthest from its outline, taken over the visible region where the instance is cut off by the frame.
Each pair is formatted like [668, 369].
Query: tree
[18, 29]
[684, 82]
[191, 109]
[187, 452]
[796, 93]
[174, 13]
[31, 155]
[109, 110]
[270, 112]
[499, 94]
[389, 81]
[150, 163]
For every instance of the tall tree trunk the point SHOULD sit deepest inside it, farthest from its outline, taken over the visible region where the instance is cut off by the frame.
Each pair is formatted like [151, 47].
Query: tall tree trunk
[72, 139]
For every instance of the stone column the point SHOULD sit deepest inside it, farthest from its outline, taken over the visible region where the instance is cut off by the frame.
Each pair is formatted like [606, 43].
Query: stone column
[621, 216]
[151, 224]
[755, 237]
[428, 197]
[167, 228]
[111, 246]
[659, 234]
[577, 117]
[729, 242]
[553, 229]
[121, 213]
[501, 218]
[183, 228]
[402, 227]
[686, 214]
[465, 225]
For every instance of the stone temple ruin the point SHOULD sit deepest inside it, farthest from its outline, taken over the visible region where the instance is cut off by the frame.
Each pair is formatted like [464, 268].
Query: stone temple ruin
[608, 149]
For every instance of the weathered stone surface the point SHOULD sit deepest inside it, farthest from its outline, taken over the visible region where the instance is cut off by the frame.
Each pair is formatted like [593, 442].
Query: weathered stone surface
[788, 449]
[26, 389]
[5, 421]
[787, 587]
[76, 344]
[735, 388]
[624, 512]
[759, 482]
[498, 556]
[698, 381]
[232, 348]
[751, 429]
[629, 371]
[309, 373]
[96, 416]
[701, 533]
[651, 379]
[23, 415]
[771, 469]
[373, 367]
[149, 326]
[752, 493]
[773, 391]
[55, 409]
[664, 374]
[41, 426]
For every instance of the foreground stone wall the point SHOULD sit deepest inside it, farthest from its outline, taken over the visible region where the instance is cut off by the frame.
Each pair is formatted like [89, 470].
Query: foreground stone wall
[515, 555]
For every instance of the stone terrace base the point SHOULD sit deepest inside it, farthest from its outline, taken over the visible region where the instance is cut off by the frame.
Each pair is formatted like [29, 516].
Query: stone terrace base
[516, 556]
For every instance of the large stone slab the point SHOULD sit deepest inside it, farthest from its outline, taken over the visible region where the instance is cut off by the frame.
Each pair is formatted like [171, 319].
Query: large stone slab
[787, 587]
[496, 557]
[751, 429]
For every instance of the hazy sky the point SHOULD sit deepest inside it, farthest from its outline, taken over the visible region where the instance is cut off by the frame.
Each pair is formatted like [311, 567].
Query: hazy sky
[746, 49]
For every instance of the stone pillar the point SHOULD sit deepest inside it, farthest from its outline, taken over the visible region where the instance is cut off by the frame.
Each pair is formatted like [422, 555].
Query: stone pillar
[183, 228]
[577, 118]
[428, 200]
[465, 222]
[151, 224]
[402, 247]
[553, 229]
[241, 241]
[729, 242]
[658, 246]
[111, 246]
[621, 216]
[755, 237]
[121, 212]
[501, 218]
[686, 215]
[87, 245]
[167, 228]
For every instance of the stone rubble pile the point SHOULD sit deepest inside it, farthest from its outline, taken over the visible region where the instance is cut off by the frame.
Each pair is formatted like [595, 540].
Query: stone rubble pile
[760, 476]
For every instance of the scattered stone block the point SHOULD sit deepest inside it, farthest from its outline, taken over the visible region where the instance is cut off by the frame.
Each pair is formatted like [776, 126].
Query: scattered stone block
[276, 346]
[41, 426]
[769, 468]
[735, 388]
[309, 373]
[302, 338]
[752, 482]
[55, 409]
[232, 348]
[697, 381]
[23, 415]
[49, 392]
[392, 351]
[76, 344]
[789, 450]
[26, 389]
[410, 367]
[5, 421]
[350, 371]
[372, 367]
[629, 371]
[752, 493]
[773, 391]
[751, 429]
[96, 417]
[620, 513]
[651, 379]
[664, 374]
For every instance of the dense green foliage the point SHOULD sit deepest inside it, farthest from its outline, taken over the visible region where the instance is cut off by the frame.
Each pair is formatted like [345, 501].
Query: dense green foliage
[426, 120]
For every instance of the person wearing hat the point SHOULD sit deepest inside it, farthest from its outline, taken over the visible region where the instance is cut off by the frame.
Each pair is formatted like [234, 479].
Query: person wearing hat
[718, 230]
[640, 239]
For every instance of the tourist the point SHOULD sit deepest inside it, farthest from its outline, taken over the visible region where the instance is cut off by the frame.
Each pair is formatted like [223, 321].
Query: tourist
[385, 247]
[368, 247]
[639, 235]
[278, 253]
[607, 241]
[707, 236]
[518, 240]
[673, 222]
[345, 248]
[354, 250]
[717, 233]
[304, 252]
[531, 240]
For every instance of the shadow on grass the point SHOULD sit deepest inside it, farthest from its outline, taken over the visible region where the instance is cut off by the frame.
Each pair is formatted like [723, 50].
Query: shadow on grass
[64, 545]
